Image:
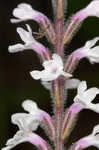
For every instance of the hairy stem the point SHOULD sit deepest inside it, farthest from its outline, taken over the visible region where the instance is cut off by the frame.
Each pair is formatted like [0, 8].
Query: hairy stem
[57, 84]
[59, 19]
[58, 97]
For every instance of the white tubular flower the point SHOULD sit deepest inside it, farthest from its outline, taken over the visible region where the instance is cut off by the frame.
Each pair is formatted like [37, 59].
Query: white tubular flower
[27, 122]
[24, 12]
[22, 136]
[29, 42]
[91, 10]
[85, 97]
[88, 51]
[40, 115]
[52, 69]
[90, 140]
[19, 137]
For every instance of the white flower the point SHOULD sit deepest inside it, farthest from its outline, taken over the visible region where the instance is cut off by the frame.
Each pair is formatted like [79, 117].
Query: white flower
[90, 140]
[24, 12]
[52, 69]
[29, 42]
[88, 51]
[22, 136]
[92, 9]
[26, 37]
[27, 122]
[85, 97]
[19, 137]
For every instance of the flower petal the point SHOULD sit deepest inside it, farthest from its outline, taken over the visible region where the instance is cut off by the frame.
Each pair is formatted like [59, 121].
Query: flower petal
[19, 137]
[26, 122]
[43, 75]
[91, 43]
[22, 136]
[15, 20]
[88, 51]
[66, 74]
[93, 9]
[16, 48]
[93, 55]
[95, 130]
[25, 35]
[57, 59]
[55, 62]
[72, 83]
[24, 11]
[82, 87]
[47, 85]
[36, 74]
[30, 106]
[94, 107]
[47, 76]
[90, 94]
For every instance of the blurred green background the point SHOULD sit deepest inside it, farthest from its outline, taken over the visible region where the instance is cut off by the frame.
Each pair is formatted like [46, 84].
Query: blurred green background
[16, 84]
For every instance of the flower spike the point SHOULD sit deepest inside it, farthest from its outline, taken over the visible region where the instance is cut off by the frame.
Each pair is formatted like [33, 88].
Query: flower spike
[52, 70]
[25, 12]
[30, 43]
[88, 51]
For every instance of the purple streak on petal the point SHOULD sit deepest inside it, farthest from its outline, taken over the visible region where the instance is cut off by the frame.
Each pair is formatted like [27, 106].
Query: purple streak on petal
[81, 15]
[40, 49]
[78, 54]
[37, 17]
[82, 143]
[75, 108]
[37, 141]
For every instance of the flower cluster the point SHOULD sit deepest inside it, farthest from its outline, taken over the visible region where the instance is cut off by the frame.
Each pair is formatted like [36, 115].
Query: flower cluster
[56, 77]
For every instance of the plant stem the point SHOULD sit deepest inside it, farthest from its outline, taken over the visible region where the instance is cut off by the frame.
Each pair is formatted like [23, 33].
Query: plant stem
[57, 84]
[59, 19]
[58, 97]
